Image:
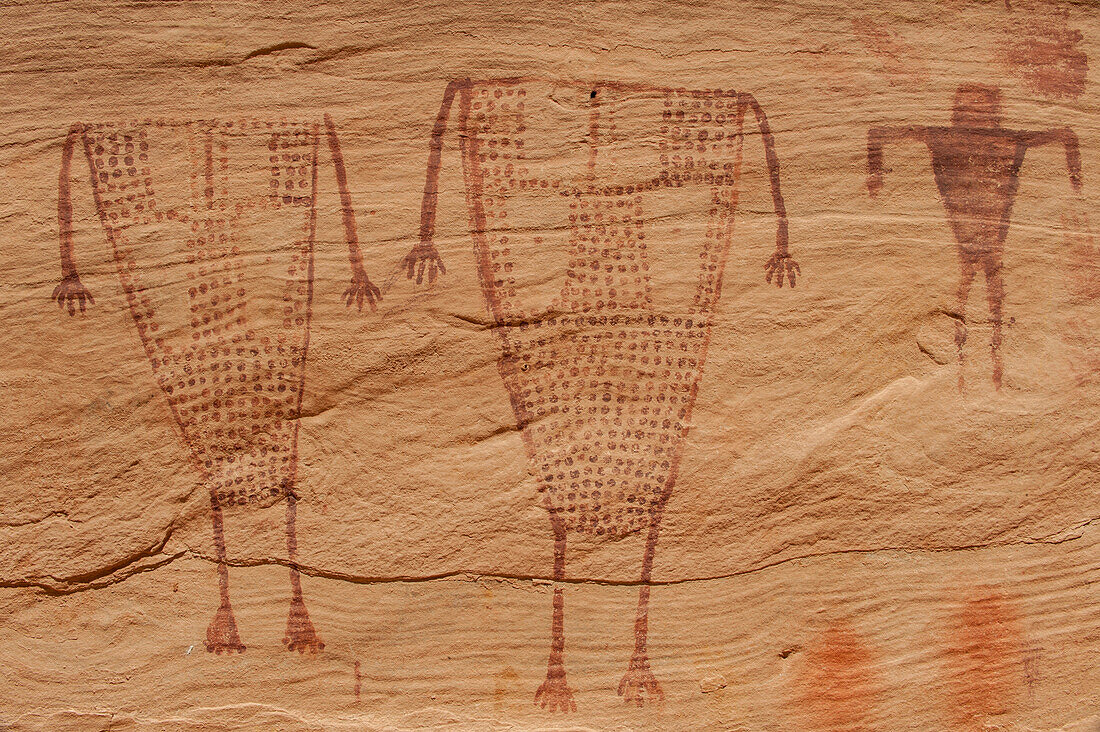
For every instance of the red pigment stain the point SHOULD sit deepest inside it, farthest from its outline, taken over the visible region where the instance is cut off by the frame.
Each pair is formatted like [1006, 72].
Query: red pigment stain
[986, 660]
[1042, 51]
[1079, 333]
[1084, 360]
[836, 688]
[899, 62]
[1078, 238]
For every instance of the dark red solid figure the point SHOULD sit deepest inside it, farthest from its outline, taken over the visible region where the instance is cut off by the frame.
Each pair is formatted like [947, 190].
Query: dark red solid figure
[976, 163]
[601, 372]
[212, 226]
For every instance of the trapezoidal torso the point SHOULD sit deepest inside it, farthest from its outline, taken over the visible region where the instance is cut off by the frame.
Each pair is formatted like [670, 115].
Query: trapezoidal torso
[212, 229]
[601, 262]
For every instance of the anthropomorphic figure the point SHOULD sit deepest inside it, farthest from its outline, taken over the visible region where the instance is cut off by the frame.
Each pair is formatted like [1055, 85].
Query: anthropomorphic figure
[603, 342]
[212, 226]
[976, 163]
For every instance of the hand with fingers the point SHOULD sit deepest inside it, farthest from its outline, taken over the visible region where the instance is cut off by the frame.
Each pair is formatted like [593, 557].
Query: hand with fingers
[781, 266]
[424, 257]
[361, 289]
[72, 291]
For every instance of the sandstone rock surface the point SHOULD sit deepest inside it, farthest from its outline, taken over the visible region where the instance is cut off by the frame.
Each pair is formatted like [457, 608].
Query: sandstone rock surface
[588, 467]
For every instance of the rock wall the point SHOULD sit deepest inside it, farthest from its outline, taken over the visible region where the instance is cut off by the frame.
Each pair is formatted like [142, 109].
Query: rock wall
[402, 367]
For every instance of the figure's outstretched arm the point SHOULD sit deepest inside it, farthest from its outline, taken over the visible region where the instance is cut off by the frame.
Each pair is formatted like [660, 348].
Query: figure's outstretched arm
[879, 136]
[70, 290]
[1068, 139]
[424, 254]
[781, 266]
[361, 287]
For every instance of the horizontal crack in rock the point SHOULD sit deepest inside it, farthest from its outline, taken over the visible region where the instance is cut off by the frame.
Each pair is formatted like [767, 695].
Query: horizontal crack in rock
[131, 566]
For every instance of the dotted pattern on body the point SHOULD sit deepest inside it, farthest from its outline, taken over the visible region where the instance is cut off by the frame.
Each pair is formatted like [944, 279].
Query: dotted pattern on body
[234, 385]
[603, 386]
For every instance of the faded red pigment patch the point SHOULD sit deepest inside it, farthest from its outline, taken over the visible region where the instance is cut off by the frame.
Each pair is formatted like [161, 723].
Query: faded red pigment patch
[1078, 239]
[1042, 50]
[828, 65]
[1084, 360]
[836, 691]
[899, 62]
[986, 660]
[1079, 333]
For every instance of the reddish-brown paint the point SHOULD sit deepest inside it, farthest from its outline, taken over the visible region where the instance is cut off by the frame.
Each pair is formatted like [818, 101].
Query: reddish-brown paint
[1078, 333]
[986, 659]
[976, 163]
[424, 254]
[361, 287]
[1084, 360]
[554, 693]
[70, 291]
[235, 378]
[837, 687]
[900, 65]
[610, 472]
[222, 635]
[1042, 49]
[1078, 237]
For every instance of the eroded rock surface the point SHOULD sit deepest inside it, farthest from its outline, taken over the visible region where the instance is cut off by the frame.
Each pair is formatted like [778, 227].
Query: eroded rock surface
[422, 366]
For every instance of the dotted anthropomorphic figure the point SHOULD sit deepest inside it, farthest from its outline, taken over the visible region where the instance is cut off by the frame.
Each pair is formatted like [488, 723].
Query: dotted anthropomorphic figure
[976, 163]
[212, 227]
[602, 367]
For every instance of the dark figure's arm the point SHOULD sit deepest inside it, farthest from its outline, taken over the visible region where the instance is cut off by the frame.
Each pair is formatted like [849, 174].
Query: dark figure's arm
[424, 254]
[361, 287]
[1068, 138]
[780, 266]
[70, 291]
[879, 136]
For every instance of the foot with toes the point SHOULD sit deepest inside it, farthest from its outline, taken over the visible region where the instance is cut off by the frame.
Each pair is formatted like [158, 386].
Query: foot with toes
[554, 694]
[222, 635]
[639, 684]
[300, 633]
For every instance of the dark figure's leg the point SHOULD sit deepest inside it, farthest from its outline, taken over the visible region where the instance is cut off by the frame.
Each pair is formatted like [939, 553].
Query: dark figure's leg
[554, 693]
[639, 680]
[300, 634]
[967, 271]
[995, 294]
[222, 635]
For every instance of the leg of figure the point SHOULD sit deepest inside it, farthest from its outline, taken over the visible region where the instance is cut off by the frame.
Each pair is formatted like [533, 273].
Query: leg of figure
[639, 681]
[995, 294]
[221, 634]
[300, 634]
[554, 693]
[967, 270]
